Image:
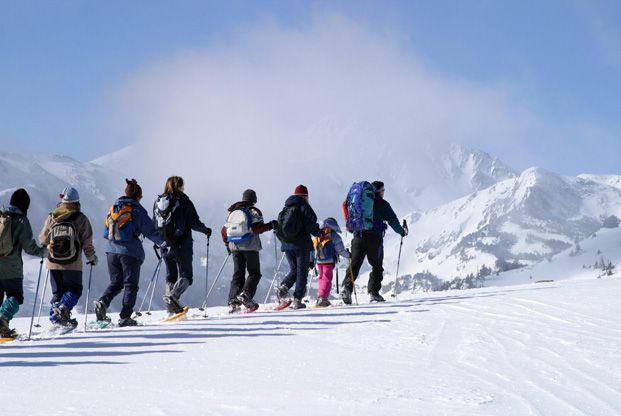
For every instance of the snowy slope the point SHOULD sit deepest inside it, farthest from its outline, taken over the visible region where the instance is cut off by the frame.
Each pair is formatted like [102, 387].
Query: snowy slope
[522, 221]
[540, 349]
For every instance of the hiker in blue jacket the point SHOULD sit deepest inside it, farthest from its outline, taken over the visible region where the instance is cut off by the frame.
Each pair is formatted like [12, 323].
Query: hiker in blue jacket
[125, 252]
[296, 223]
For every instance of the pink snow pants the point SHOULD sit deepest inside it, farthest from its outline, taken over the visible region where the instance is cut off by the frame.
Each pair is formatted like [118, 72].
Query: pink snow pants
[325, 280]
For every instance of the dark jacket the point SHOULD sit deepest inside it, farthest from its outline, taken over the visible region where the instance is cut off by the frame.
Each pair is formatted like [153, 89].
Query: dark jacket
[258, 226]
[191, 220]
[310, 226]
[12, 266]
[143, 224]
[382, 212]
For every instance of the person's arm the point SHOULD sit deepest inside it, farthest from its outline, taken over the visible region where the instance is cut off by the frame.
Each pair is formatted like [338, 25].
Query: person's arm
[310, 221]
[85, 232]
[146, 226]
[44, 236]
[339, 247]
[194, 222]
[258, 226]
[26, 239]
[390, 217]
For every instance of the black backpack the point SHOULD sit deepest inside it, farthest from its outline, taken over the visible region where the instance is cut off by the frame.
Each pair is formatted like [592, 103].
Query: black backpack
[64, 241]
[168, 217]
[290, 224]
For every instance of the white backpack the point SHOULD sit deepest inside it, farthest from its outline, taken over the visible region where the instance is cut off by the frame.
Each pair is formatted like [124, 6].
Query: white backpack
[238, 226]
[6, 235]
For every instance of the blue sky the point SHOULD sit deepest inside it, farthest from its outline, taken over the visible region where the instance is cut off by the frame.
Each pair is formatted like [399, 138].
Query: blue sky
[63, 61]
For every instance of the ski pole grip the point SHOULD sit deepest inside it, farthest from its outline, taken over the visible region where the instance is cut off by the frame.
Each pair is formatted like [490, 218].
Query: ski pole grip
[405, 227]
[157, 253]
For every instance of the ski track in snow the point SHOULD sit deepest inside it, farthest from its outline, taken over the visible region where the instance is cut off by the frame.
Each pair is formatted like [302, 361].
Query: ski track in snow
[548, 349]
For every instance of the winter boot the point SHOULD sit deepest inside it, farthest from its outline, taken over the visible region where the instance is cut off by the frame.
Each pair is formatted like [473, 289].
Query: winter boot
[5, 331]
[298, 304]
[127, 322]
[376, 297]
[245, 299]
[100, 311]
[63, 315]
[234, 306]
[322, 303]
[346, 296]
[172, 305]
[282, 293]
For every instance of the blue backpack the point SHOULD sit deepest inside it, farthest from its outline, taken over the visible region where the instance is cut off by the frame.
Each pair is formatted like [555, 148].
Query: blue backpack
[359, 207]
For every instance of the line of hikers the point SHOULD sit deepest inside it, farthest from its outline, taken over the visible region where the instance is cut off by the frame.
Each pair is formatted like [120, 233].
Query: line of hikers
[67, 233]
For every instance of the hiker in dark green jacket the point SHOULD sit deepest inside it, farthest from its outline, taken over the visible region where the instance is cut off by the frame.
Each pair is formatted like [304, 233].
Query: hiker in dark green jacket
[370, 244]
[13, 220]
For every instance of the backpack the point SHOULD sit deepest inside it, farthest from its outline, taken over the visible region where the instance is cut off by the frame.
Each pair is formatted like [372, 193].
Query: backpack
[64, 241]
[359, 207]
[6, 235]
[290, 224]
[168, 217]
[119, 223]
[324, 246]
[238, 225]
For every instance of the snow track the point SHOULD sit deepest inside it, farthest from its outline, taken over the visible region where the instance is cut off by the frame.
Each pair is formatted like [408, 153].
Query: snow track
[551, 349]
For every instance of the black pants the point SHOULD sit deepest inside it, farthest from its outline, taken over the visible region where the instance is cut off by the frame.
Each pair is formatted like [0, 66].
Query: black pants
[64, 281]
[124, 274]
[242, 261]
[371, 246]
[12, 288]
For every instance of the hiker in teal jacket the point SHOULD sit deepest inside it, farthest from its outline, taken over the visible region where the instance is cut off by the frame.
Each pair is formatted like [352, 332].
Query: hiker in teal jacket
[11, 265]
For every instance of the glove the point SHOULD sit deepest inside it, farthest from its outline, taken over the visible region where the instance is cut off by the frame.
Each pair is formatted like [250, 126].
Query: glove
[311, 265]
[46, 252]
[208, 233]
[274, 225]
[228, 249]
[348, 254]
[92, 260]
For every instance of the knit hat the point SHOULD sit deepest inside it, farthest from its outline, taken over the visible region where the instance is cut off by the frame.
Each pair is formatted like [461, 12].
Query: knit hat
[133, 190]
[301, 190]
[20, 200]
[379, 186]
[249, 196]
[70, 194]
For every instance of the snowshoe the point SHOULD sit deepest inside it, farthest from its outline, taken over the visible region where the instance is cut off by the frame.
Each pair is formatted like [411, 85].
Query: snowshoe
[298, 304]
[127, 322]
[346, 296]
[172, 305]
[245, 299]
[376, 298]
[322, 303]
[282, 293]
[5, 331]
[234, 306]
[283, 304]
[100, 311]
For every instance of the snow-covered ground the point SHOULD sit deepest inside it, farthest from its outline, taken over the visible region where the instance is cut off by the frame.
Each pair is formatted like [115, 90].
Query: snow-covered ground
[538, 349]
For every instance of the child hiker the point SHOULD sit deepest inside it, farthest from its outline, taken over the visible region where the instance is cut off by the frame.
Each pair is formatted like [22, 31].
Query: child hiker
[328, 247]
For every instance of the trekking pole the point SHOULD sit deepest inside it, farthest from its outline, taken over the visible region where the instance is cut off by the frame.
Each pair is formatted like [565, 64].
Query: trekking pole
[353, 281]
[310, 286]
[337, 280]
[146, 294]
[34, 306]
[157, 275]
[88, 293]
[394, 289]
[206, 275]
[47, 277]
[215, 281]
[274, 279]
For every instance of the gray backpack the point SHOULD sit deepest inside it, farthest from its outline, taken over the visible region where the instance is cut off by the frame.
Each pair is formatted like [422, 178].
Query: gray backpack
[6, 235]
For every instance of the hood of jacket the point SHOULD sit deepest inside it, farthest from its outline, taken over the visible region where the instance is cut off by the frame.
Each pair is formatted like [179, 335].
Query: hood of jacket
[10, 209]
[64, 210]
[294, 200]
[240, 205]
[331, 224]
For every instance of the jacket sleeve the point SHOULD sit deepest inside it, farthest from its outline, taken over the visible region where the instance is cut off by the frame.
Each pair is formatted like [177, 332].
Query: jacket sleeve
[310, 221]
[339, 246]
[147, 227]
[390, 217]
[44, 236]
[193, 221]
[26, 239]
[225, 238]
[258, 226]
[86, 237]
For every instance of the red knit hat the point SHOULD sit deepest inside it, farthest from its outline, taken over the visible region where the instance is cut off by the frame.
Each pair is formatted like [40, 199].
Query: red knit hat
[301, 190]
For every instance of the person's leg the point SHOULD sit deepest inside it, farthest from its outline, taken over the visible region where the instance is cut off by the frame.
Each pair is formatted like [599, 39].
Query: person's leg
[291, 277]
[253, 264]
[131, 278]
[14, 292]
[239, 275]
[56, 284]
[115, 270]
[303, 259]
[72, 281]
[185, 274]
[172, 272]
[375, 255]
[358, 253]
[325, 280]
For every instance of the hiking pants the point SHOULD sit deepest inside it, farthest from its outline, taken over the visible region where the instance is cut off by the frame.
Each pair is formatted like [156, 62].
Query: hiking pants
[66, 287]
[124, 274]
[371, 246]
[179, 269]
[325, 280]
[14, 291]
[242, 261]
[298, 274]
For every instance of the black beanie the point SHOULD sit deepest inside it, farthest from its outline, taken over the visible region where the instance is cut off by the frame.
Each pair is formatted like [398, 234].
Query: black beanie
[378, 185]
[249, 196]
[21, 200]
